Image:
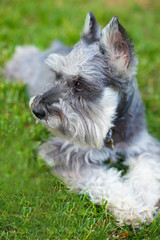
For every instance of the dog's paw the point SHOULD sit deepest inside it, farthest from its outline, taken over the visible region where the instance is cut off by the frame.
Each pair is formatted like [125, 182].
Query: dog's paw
[132, 216]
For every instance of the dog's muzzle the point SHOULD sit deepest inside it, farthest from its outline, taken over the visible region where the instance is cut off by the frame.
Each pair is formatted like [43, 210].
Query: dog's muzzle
[37, 108]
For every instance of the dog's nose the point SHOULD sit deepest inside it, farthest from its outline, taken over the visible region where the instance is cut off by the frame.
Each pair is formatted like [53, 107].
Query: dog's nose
[39, 112]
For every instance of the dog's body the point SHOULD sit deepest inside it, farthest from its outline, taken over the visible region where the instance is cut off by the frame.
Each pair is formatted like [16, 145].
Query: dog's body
[93, 102]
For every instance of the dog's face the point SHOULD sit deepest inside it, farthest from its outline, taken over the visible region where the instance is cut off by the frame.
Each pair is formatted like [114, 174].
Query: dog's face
[88, 84]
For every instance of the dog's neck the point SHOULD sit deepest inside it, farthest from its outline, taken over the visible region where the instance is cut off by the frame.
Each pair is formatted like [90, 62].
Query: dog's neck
[130, 119]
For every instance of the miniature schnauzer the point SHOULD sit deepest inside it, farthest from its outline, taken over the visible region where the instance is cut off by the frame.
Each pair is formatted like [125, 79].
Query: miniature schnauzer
[88, 97]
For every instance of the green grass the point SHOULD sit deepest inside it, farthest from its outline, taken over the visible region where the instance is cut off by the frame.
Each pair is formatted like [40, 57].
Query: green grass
[33, 203]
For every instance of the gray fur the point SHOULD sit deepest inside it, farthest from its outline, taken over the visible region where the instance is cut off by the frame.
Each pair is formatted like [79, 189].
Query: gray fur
[88, 90]
[92, 31]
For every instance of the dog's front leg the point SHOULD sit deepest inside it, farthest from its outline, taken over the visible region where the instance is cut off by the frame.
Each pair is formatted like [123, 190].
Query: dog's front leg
[86, 175]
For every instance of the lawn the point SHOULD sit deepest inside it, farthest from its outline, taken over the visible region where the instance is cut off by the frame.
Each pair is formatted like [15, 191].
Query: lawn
[33, 203]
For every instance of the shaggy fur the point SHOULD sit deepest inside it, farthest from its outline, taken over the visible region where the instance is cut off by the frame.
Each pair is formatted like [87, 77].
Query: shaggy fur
[81, 95]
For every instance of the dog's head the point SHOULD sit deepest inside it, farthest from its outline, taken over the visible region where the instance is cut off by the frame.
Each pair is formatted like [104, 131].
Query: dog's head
[88, 85]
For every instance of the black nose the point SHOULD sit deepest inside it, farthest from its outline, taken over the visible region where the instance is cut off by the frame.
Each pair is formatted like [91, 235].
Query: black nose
[38, 112]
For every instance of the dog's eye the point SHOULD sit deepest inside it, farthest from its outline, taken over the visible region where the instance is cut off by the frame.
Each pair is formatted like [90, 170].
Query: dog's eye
[78, 86]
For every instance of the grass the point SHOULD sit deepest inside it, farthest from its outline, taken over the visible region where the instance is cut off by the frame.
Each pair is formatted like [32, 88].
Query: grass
[33, 203]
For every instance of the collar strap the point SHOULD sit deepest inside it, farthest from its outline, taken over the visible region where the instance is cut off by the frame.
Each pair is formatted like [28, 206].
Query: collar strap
[128, 104]
[108, 141]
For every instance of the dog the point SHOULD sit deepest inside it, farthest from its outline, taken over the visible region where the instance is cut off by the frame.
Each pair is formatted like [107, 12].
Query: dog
[87, 96]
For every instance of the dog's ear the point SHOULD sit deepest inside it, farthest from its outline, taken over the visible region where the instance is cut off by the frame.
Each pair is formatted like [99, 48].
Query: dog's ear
[118, 44]
[91, 31]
